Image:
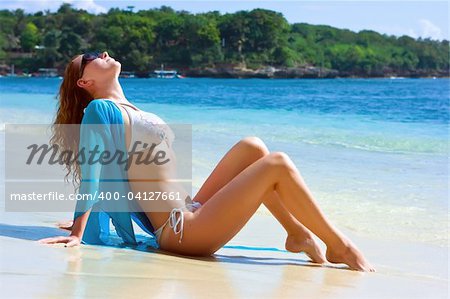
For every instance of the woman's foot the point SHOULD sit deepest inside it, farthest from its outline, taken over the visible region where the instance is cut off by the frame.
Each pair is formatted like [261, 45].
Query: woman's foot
[350, 255]
[301, 243]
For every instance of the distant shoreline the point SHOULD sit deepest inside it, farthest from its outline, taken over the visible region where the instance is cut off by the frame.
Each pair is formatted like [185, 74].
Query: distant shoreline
[310, 72]
[249, 77]
[257, 43]
[265, 72]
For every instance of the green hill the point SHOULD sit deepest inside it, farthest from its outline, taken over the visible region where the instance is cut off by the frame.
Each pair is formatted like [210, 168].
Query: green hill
[193, 43]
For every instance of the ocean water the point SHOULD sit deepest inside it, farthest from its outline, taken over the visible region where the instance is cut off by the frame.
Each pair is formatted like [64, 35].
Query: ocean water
[374, 153]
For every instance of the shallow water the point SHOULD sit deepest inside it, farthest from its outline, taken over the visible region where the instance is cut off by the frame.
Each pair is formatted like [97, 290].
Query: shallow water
[373, 152]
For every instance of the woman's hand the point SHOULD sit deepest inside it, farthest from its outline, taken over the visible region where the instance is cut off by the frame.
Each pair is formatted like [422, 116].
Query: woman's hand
[70, 241]
[67, 225]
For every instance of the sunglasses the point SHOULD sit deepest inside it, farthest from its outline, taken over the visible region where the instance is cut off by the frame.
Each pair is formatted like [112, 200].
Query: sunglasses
[86, 58]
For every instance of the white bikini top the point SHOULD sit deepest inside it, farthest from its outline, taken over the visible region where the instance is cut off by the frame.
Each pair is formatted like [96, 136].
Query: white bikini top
[147, 128]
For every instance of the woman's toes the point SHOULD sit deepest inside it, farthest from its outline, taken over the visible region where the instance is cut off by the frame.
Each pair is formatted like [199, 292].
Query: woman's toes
[307, 245]
[350, 256]
[316, 256]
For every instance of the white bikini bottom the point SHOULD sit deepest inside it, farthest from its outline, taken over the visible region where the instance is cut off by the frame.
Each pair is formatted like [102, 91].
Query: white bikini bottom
[176, 223]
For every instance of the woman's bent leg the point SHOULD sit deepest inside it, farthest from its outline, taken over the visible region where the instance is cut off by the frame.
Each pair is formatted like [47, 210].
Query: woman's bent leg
[227, 211]
[240, 156]
[244, 153]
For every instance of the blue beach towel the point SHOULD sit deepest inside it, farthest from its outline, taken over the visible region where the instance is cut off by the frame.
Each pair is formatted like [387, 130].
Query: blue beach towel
[107, 134]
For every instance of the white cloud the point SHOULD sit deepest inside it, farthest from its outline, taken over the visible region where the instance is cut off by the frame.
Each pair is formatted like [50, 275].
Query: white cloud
[89, 5]
[423, 28]
[430, 30]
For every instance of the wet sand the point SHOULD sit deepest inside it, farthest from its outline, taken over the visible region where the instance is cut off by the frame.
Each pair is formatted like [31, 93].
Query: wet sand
[253, 264]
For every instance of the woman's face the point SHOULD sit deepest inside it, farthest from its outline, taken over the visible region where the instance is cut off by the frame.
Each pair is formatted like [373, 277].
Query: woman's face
[99, 70]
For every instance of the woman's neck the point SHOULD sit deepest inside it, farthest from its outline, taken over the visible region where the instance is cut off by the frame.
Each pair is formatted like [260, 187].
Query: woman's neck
[112, 91]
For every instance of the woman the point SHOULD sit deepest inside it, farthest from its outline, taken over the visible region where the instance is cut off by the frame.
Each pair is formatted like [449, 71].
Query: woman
[246, 177]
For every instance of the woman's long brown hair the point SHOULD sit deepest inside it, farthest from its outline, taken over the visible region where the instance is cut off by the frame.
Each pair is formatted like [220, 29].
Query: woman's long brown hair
[72, 99]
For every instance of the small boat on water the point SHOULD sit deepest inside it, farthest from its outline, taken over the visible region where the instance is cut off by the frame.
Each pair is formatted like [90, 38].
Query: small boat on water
[163, 74]
[46, 73]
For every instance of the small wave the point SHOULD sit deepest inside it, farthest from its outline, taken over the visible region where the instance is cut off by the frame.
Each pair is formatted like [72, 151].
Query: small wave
[411, 223]
[373, 137]
[421, 147]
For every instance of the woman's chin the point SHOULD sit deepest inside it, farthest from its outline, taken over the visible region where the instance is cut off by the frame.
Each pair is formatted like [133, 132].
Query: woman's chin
[118, 68]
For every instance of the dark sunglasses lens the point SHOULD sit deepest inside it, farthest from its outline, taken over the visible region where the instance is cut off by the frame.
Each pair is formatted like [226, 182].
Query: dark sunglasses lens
[88, 57]
[91, 56]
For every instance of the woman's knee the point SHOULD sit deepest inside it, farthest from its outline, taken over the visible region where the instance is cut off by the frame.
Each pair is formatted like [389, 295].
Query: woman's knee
[256, 145]
[279, 161]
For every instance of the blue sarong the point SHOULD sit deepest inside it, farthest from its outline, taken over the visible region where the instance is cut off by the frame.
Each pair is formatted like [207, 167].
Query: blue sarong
[97, 178]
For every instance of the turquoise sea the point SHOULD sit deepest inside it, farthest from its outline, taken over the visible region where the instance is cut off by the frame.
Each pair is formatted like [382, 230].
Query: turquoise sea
[374, 152]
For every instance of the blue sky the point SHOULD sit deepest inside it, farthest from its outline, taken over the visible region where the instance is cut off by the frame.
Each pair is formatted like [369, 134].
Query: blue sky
[413, 18]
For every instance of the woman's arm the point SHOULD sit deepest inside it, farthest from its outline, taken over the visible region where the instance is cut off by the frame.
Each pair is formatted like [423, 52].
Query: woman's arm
[79, 225]
[74, 239]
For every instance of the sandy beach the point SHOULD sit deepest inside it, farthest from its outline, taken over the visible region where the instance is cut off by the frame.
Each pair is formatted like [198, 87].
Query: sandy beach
[254, 264]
